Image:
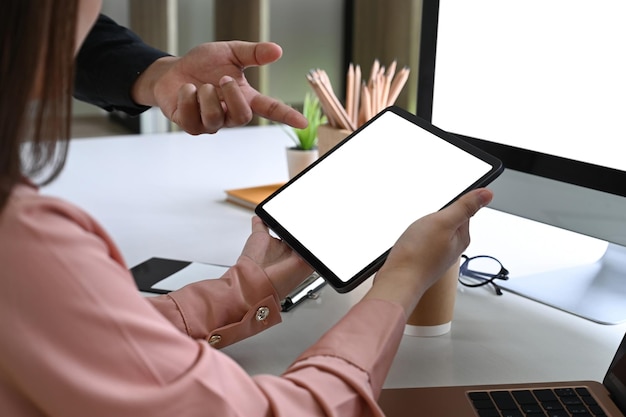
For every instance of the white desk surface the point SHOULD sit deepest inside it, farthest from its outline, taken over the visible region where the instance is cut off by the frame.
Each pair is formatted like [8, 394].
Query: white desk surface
[163, 195]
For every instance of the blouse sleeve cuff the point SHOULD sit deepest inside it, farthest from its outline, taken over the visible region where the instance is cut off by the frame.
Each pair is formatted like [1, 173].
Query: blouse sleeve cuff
[368, 337]
[241, 303]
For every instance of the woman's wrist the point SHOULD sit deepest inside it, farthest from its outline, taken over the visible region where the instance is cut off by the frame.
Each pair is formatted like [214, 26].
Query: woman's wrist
[400, 286]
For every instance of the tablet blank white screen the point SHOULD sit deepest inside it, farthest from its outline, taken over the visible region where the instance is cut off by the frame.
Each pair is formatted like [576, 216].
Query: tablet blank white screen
[352, 207]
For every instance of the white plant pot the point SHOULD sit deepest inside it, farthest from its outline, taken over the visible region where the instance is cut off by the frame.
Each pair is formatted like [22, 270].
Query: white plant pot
[297, 160]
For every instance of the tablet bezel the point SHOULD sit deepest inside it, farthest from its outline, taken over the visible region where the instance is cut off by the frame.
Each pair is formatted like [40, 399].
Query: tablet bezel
[345, 286]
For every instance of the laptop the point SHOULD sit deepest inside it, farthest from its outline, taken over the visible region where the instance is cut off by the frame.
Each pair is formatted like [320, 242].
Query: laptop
[575, 398]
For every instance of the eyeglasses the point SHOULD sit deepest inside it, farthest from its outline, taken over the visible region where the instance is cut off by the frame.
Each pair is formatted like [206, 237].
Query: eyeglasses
[481, 270]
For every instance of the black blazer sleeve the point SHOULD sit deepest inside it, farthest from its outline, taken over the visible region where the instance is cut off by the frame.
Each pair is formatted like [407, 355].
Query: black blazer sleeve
[107, 65]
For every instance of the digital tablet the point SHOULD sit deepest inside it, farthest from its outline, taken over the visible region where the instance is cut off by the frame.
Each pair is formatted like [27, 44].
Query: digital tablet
[345, 211]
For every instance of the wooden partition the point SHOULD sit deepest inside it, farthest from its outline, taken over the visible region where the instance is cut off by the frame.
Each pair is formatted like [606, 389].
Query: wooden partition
[388, 30]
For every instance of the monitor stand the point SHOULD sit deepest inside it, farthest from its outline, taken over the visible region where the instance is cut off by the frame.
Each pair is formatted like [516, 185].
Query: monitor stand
[596, 291]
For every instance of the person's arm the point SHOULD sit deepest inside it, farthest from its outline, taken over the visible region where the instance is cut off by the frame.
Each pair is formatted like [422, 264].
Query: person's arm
[206, 89]
[245, 300]
[108, 65]
[83, 341]
[426, 250]
[223, 311]
[201, 91]
[420, 256]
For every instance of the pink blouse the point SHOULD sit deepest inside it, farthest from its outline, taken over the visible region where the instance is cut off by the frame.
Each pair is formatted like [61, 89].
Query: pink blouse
[78, 339]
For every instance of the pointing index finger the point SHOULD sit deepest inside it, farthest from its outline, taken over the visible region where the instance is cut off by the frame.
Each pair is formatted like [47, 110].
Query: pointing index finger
[276, 111]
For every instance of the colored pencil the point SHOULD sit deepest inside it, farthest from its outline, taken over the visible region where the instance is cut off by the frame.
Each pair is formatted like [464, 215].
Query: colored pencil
[364, 97]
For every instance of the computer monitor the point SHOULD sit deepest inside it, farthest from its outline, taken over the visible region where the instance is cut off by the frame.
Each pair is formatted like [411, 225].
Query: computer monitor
[541, 84]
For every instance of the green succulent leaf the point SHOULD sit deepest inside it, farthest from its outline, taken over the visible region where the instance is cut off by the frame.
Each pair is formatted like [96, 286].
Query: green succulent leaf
[306, 138]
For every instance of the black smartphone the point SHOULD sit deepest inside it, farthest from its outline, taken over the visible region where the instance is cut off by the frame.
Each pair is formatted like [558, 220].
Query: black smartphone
[162, 275]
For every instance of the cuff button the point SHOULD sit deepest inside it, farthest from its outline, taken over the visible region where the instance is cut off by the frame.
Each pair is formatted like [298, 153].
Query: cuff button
[262, 313]
[215, 339]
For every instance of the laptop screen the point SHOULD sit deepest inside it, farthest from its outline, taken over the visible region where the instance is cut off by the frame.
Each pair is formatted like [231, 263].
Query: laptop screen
[615, 379]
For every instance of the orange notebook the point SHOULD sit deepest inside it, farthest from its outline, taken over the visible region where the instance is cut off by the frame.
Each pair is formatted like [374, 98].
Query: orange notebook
[250, 197]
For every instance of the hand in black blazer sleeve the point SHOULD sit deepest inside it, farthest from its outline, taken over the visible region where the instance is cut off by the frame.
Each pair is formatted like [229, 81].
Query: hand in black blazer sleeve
[107, 65]
[201, 91]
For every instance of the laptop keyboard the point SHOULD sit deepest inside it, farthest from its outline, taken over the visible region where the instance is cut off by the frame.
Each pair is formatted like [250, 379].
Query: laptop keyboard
[558, 402]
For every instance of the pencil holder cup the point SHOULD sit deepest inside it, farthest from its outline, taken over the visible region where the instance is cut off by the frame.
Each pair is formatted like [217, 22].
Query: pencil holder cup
[328, 137]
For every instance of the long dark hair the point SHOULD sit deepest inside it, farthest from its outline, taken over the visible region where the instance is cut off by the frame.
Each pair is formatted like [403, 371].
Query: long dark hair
[36, 60]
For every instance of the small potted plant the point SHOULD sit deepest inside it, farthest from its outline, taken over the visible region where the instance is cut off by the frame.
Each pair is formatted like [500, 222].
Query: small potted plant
[305, 150]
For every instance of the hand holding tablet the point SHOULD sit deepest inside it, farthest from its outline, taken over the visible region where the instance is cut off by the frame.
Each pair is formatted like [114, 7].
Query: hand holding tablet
[362, 195]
